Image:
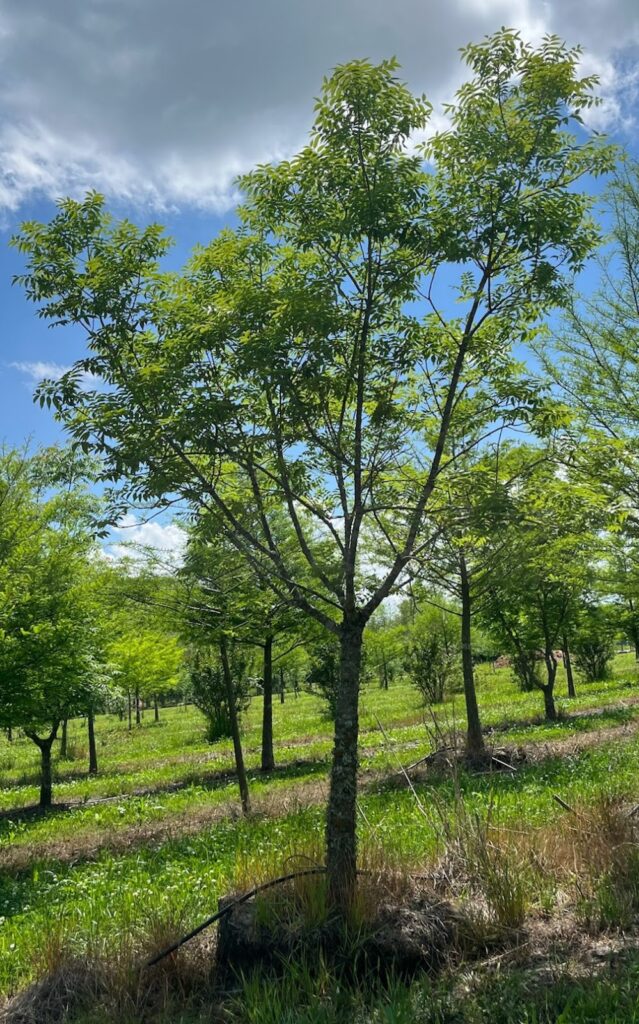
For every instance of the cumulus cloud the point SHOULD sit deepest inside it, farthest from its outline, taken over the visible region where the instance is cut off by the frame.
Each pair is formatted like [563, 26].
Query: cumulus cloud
[138, 540]
[163, 104]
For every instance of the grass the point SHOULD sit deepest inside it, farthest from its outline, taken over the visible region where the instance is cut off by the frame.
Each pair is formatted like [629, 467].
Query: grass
[145, 849]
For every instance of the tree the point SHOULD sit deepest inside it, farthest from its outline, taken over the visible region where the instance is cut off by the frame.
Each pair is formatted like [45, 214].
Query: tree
[147, 661]
[541, 570]
[257, 619]
[433, 658]
[621, 580]
[593, 642]
[50, 658]
[384, 647]
[209, 690]
[289, 366]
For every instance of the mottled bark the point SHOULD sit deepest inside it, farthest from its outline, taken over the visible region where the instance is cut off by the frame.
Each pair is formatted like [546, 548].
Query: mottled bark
[268, 757]
[341, 845]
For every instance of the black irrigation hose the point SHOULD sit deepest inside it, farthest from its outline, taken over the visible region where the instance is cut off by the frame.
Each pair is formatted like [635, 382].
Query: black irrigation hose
[244, 898]
[229, 907]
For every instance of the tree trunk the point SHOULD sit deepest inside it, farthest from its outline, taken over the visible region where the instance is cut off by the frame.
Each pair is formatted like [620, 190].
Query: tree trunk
[341, 841]
[282, 686]
[44, 744]
[63, 738]
[138, 717]
[549, 688]
[268, 757]
[156, 708]
[568, 667]
[128, 695]
[549, 704]
[10, 734]
[384, 671]
[235, 729]
[474, 737]
[93, 754]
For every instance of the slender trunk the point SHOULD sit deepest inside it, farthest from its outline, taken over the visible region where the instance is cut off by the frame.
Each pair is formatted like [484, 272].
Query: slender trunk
[341, 839]
[156, 708]
[63, 738]
[282, 686]
[93, 753]
[549, 688]
[10, 734]
[138, 717]
[268, 757]
[384, 672]
[235, 729]
[568, 667]
[474, 737]
[634, 628]
[44, 744]
[128, 694]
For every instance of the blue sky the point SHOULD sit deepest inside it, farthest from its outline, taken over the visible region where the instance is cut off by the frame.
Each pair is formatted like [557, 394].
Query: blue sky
[160, 105]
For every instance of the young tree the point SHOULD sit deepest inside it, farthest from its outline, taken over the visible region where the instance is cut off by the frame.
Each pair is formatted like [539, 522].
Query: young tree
[259, 621]
[384, 647]
[433, 655]
[146, 661]
[49, 647]
[290, 367]
[541, 571]
[209, 690]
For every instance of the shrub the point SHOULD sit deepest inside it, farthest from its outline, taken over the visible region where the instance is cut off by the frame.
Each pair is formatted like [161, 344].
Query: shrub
[208, 691]
[593, 643]
[526, 668]
[433, 660]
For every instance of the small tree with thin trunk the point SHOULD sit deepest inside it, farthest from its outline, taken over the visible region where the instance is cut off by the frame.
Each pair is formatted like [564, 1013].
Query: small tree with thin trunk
[48, 640]
[541, 569]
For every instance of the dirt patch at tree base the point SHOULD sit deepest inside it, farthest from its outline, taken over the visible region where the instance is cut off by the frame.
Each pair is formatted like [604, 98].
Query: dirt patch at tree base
[400, 939]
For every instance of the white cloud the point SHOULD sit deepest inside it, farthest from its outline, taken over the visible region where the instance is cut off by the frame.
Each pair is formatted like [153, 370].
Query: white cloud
[135, 539]
[162, 104]
[37, 371]
[40, 370]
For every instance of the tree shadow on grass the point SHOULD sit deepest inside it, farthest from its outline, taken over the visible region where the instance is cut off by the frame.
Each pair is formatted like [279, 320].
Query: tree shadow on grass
[580, 721]
[550, 771]
[291, 770]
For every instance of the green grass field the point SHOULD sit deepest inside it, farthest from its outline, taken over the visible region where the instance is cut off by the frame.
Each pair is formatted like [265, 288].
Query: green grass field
[140, 853]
